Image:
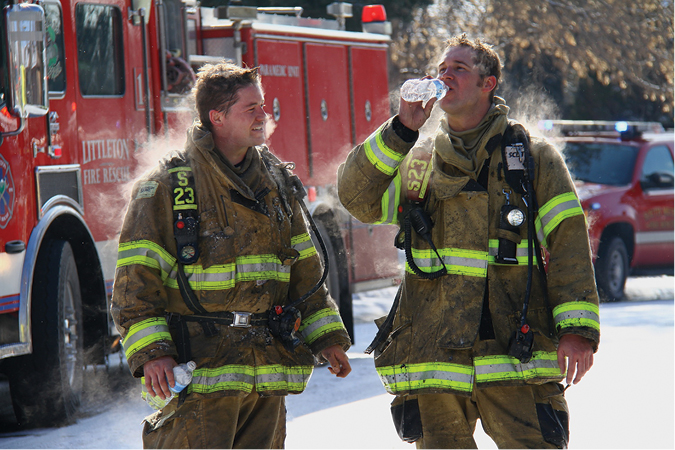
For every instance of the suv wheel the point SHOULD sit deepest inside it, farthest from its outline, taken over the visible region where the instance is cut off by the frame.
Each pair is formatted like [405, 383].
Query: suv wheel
[611, 270]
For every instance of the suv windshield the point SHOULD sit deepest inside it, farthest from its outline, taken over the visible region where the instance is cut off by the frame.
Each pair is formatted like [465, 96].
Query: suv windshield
[600, 163]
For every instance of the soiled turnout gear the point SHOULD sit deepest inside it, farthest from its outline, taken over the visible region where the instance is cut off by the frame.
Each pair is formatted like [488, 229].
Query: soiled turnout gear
[449, 421]
[451, 334]
[223, 422]
[255, 252]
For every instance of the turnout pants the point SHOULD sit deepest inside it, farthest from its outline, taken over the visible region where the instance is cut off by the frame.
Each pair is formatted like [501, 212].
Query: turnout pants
[534, 416]
[224, 422]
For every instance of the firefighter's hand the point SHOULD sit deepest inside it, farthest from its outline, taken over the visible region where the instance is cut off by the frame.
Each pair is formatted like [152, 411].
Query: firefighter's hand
[338, 360]
[414, 115]
[579, 352]
[159, 376]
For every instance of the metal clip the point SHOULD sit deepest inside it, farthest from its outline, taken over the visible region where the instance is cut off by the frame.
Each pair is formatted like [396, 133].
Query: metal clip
[241, 319]
[508, 196]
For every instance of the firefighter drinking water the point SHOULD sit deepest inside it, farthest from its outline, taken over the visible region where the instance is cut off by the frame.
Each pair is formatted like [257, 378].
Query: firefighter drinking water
[216, 266]
[480, 328]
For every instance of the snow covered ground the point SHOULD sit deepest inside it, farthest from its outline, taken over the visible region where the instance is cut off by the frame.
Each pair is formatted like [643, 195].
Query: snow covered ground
[625, 401]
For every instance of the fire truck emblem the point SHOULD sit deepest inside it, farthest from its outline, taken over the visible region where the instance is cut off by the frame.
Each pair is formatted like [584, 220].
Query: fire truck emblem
[6, 193]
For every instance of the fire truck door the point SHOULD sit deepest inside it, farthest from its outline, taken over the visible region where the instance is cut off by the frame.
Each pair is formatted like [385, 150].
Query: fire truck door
[654, 238]
[280, 65]
[111, 116]
[328, 97]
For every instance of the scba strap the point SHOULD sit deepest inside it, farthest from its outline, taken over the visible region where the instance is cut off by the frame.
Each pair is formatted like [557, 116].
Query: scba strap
[185, 213]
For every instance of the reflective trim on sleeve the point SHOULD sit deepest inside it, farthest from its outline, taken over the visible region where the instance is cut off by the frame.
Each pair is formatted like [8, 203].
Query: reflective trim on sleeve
[380, 155]
[304, 245]
[577, 314]
[319, 324]
[555, 211]
[146, 253]
[432, 375]
[390, 201]
[144, 333]
[504, 367]
[457, 261]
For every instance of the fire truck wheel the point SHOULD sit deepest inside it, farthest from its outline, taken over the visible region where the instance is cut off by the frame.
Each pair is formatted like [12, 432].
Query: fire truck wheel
[47, 385]
[337, 281]
[611, 270]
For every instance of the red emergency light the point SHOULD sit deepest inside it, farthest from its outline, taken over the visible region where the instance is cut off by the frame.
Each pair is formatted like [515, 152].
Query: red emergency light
[373, 13]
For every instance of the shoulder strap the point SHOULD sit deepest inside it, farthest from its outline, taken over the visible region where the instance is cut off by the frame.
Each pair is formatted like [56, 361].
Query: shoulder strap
[186, 231]
[515, 156]
[185, 210]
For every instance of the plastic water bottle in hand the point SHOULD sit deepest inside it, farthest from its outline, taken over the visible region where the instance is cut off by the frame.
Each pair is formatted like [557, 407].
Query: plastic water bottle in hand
[182, 376]
[417, 90]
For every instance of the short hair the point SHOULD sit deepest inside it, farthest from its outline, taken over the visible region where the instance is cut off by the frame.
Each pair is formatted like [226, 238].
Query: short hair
[485, 58]
[217, 86]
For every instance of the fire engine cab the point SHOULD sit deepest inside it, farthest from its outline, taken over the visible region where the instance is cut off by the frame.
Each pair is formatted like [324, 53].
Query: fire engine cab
[92, 93]
[623, 172]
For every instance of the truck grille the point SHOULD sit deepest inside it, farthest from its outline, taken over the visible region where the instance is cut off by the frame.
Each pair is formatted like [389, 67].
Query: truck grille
[58, 185]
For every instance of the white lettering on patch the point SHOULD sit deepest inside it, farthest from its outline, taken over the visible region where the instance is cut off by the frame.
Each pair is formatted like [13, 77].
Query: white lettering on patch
[515, 157]
[147, 189]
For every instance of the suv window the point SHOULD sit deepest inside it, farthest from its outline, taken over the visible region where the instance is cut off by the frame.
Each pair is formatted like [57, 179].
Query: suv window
[600, 163]
[100, 58]
[657, 170]
[56, 70]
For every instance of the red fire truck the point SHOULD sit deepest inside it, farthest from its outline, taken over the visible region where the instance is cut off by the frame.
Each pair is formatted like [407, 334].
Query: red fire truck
[623, 172]
[93, 92]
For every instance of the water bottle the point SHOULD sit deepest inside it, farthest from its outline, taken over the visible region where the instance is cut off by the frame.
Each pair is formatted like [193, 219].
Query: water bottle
[182, 376]
[417, 90]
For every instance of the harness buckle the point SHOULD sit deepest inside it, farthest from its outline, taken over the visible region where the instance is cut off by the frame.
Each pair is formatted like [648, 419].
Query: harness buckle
[241, 319]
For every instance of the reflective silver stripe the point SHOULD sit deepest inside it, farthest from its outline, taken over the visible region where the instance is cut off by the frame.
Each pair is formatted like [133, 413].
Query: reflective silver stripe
[653, 237]
[503, 367]
[315, 326]
[282, 377]
[224, 379]
[390, 201]
[136, 251]
[143, 333]
[414, 377]
[380, 155]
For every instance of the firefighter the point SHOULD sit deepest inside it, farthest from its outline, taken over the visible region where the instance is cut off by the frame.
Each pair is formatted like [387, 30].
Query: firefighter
[478, 330]
[213, 250]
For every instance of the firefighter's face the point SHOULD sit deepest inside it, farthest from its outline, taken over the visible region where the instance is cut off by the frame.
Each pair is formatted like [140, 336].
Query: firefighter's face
[243, 125]
[467, 88]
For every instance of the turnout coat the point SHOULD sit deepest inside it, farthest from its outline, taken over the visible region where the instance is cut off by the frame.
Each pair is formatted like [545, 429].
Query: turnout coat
[255, 252]
[435, 346]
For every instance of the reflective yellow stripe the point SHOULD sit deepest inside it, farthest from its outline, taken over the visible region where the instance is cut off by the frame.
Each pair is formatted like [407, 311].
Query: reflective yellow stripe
[390, 201]
[144, 333]
[304, 245]
[504, 367]
[457, 261]
[146, 253]
[282, 378]
[555, 211]
[320, 323]
[273, 377]
[217, 277]
[380, 155]
[577, 314]
[437, 375]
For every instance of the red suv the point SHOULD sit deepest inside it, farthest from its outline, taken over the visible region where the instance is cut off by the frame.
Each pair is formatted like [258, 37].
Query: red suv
[624, 177]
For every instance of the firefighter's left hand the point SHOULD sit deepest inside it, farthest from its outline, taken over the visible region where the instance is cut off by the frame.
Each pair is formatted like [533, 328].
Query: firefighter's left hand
[579, 352]
[338, 360]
